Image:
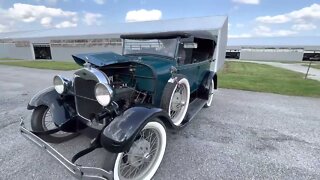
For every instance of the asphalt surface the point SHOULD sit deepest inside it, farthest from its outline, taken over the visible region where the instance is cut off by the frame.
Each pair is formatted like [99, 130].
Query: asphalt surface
[244, 135]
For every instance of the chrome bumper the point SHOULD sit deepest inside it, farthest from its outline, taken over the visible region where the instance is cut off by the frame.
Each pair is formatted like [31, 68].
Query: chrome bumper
[78, 171]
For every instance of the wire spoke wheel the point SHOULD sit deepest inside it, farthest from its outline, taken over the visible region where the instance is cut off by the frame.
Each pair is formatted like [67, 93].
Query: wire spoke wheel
[48, 124]
[144, 156]
[179, 102]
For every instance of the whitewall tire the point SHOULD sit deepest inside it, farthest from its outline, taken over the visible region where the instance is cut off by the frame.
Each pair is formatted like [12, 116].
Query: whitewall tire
[175, 98]
[149, 162]
[211, 93]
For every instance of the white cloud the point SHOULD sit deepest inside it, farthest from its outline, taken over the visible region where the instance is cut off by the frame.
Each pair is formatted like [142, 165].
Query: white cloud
[264, 31]
[306, 14]
[304, 27]
[100, 2]
[143, 15]
[46, 21]
[244, 35]
[3, 28]
[268, 32]
[37, 14]
[92, 19]
[66, 24]
[30, 13]
[255, 2]
[273, 19]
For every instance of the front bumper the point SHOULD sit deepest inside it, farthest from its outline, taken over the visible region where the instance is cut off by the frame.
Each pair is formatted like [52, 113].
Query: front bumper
[78, 171]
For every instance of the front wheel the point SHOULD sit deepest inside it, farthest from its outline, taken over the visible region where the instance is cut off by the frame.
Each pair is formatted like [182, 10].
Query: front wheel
[41, 120]
[175, 99]
[144, 157]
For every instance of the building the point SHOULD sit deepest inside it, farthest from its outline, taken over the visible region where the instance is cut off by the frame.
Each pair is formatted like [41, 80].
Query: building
[273, 53]
[58, 48]
[283, 49]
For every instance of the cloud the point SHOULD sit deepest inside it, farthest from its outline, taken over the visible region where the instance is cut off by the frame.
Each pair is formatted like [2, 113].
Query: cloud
[3, 28]
[100, 2]
[92, 19]
[304, 27]
[143, 15]
[46, 21]
[268, 32]
[66, 24]
[254, 2]
[20, 14]
[244, 35]
[31, 13]
[303, 15]
[264, 31]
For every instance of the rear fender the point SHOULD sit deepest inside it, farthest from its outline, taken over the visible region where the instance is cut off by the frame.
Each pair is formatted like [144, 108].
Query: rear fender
[62, 109]
[119, 135]
[203, 91]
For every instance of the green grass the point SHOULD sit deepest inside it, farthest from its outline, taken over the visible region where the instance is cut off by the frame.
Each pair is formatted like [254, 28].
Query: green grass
[315, 65]
[8, 59]
[54, 65]
[265, 78]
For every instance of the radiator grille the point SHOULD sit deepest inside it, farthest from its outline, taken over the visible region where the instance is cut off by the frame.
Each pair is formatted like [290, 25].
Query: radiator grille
[86, 103]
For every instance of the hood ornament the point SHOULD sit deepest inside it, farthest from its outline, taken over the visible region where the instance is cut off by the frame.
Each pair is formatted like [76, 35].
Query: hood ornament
[87, 64]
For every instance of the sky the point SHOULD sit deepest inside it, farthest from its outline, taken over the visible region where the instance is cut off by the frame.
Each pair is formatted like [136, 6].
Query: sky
[255, 20]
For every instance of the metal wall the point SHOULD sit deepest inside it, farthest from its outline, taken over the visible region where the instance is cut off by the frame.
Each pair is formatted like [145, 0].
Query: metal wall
[9, 50]
[64, 53]
[293, 56]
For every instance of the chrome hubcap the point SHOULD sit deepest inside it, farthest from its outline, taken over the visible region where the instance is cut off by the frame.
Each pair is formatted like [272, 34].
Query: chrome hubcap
[178, 101]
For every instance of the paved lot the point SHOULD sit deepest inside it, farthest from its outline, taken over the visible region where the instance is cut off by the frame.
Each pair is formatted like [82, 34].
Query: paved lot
[245, 135]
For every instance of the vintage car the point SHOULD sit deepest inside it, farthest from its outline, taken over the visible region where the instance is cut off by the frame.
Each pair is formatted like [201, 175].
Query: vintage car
[126, 103]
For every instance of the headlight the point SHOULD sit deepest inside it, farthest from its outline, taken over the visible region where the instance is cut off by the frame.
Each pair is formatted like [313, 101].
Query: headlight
[60, 84]
[103, 93]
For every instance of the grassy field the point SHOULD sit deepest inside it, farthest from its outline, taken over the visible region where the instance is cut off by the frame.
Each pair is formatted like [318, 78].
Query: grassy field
[8, 59]
[44, 65]
[265, 78]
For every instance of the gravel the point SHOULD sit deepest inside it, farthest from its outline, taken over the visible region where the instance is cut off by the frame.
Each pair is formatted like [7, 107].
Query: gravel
[244, 135]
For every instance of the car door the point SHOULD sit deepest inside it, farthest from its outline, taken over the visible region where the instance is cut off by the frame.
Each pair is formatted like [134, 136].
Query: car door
[191, 72]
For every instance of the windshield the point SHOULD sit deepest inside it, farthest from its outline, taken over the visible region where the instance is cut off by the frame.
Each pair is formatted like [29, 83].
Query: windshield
[163, 47]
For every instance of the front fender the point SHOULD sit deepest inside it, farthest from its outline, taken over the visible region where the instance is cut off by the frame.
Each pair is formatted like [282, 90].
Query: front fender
[61, 109]
[119, 135]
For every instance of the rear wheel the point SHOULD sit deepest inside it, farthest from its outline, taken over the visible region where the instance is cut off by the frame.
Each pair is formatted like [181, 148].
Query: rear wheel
[211, 93]
[41, 120]
[144, 156]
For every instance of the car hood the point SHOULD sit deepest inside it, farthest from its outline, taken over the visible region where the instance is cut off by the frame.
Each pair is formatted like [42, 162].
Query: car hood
[100, 59]
[107, 58]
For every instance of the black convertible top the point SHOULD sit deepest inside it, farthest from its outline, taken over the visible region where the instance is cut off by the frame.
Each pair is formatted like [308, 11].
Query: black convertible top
[161, 35]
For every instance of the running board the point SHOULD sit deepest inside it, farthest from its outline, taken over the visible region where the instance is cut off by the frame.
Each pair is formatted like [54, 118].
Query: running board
[194, 107]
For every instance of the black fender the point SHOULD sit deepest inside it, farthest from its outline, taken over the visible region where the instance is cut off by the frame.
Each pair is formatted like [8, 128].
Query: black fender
[62, 108]
[203, 91]
[119, 135]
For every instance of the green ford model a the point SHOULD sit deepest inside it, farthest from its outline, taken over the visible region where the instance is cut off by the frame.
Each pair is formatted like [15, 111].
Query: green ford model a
[126, 102]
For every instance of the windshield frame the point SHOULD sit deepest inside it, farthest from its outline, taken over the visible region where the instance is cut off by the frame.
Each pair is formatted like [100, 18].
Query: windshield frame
[174, 51]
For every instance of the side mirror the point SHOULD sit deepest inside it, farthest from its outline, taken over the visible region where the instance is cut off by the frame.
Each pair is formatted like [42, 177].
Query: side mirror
[190, 45]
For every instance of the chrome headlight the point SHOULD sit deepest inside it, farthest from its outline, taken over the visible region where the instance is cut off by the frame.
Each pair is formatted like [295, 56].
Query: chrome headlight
[60, 84]
[103, 93]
